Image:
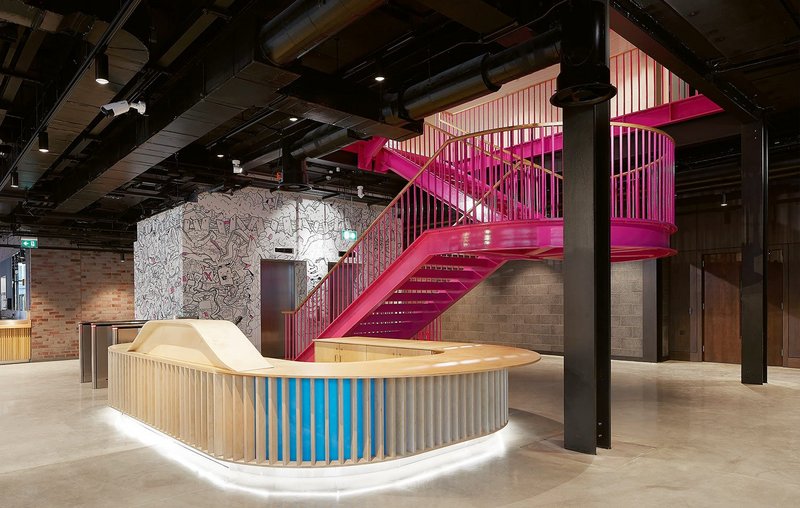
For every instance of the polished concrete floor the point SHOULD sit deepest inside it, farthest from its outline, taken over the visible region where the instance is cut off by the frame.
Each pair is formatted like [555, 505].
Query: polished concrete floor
[685, 434]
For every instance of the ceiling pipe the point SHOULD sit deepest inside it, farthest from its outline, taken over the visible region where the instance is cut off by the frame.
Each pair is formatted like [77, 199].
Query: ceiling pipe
[306, 24]
[449, 88]
[472, 79]
[324, 140]
[319, 142]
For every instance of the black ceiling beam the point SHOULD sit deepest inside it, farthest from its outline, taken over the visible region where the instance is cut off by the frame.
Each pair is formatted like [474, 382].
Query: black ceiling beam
[41, 123]
[257, 117]
[638, 27]
[12, 73]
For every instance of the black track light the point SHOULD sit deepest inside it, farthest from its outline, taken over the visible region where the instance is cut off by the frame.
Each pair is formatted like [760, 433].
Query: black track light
[101, 69]
[14, 179]
[44, 142]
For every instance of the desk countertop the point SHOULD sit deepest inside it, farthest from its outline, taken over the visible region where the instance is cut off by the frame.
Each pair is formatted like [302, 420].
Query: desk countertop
[448, 358]
[15, 323]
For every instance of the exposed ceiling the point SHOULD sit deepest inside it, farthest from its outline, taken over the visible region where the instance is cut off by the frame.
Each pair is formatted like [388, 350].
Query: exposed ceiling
[224, 79]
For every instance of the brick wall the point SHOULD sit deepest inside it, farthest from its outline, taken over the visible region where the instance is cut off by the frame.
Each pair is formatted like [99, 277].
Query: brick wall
[522, 305]
[68, 287]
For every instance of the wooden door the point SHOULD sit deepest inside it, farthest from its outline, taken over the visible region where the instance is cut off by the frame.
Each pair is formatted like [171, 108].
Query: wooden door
[775, 308]
[721, 314]
[722, 341]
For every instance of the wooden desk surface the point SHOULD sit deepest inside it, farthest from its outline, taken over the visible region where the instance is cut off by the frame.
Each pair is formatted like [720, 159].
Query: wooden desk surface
[448, 358]
[15, 323]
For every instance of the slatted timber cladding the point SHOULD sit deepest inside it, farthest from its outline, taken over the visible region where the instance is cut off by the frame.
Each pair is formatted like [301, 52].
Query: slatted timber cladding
[15, 344]
[254, 419]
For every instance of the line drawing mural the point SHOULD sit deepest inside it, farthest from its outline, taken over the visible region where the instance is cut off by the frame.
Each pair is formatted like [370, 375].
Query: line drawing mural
[220, 242]
[158, 271]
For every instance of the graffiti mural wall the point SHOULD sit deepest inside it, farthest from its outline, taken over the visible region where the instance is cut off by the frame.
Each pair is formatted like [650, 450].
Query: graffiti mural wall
[224, 237]
[158, 269]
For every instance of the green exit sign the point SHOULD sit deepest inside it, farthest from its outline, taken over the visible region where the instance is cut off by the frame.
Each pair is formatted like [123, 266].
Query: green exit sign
[29, 243]
[349, 234]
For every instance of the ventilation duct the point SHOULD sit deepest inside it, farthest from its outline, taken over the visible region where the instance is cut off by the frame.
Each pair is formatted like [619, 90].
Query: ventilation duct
[307, 23]
[317, 143]
[472, 79]
[324, 140]
[295, 174]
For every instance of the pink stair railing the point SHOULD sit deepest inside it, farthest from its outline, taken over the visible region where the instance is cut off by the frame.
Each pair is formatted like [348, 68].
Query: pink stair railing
[642, 84]
[500, 175]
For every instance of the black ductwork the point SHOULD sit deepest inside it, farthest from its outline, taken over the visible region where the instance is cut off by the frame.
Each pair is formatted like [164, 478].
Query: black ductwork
[472, 79]
[295, 175]
[324, 140]
[584, 78]
[307, 23]
[317, 143]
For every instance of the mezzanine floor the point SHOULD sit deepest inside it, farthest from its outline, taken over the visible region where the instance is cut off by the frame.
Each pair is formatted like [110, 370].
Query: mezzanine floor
[685, 434]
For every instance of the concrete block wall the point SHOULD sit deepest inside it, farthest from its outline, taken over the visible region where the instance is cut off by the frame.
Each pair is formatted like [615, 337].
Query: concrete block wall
[522, 305]
[68, 287]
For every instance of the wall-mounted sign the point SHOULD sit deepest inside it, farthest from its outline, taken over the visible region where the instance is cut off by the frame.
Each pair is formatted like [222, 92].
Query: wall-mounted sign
[349, 234]
[29, 243]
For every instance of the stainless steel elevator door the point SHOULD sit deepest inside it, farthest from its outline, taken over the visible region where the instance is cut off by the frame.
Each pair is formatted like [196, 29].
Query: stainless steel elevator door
[277, 295]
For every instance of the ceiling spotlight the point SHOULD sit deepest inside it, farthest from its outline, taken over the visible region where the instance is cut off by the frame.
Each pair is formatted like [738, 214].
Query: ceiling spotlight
[14, 180]
[327, 177]
[44, 142]
[338, 169]
[293, 119]
[101, 69]
[237, 167]
[220, 155]
[121, 257]
[380, 78]
[360, 191]
[724, 200]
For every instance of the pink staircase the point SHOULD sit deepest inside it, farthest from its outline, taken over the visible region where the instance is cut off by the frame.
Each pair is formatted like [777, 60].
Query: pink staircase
[476, 202]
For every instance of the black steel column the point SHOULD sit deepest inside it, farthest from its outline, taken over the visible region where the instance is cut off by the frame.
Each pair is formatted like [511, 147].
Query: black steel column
[651, 311]
[754, 253]
[583, 91]
[587, 279]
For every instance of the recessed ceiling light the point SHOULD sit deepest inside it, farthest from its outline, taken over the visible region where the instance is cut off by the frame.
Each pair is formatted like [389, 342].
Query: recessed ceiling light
[220, 155]
[379, 78]
[293, 119]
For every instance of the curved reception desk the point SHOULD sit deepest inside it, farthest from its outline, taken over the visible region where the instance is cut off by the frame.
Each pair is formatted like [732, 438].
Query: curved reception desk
[364, 400]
